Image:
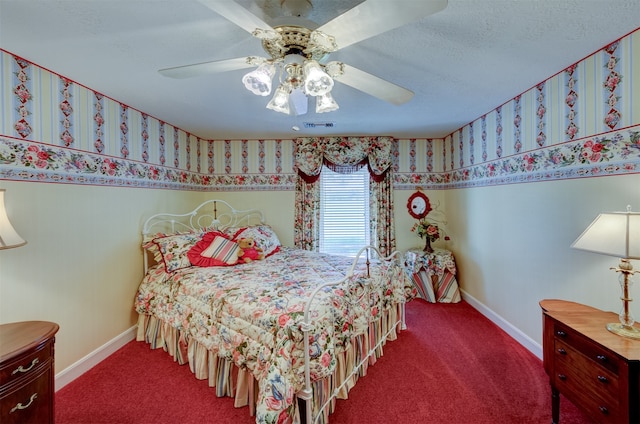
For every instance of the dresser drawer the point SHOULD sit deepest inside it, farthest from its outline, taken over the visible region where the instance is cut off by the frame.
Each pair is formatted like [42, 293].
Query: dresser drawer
[593, 381]
[25, 366]
[588, 348]
[30, 402]
[27, 372]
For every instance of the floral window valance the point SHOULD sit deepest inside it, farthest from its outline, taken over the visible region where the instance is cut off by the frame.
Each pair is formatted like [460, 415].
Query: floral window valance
[343, 154]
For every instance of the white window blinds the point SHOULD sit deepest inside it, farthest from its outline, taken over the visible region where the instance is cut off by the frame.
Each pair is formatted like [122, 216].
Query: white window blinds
[344, 211]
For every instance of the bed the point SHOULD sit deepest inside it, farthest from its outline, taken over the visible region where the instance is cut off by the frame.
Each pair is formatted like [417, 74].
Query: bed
[285, 334]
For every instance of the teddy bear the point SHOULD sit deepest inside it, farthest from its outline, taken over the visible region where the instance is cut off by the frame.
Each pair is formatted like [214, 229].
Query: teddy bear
[249, 251]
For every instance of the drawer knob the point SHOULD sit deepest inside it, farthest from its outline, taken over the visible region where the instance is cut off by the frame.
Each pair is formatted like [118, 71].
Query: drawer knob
[22, 369]
[604, 410]
[603, 379]
[562, 377]
[561, 333]
[601, 358]
[21, 406]
[561, 351]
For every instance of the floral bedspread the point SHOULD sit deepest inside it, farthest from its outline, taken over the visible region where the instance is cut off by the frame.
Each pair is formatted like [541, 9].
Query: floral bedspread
[251, 314]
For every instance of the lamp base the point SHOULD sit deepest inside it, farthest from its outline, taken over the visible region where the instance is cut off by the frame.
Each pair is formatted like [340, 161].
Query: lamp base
[624, 330]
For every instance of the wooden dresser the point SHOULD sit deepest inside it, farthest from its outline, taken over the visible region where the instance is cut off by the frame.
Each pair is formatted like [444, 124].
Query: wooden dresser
[27, 372]
[595, 369]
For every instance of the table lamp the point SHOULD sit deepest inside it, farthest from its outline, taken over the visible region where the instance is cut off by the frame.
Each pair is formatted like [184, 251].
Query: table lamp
[8, 236]
[616, 234]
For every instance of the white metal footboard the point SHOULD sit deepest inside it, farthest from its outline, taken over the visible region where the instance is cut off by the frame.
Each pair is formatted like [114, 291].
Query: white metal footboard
[306, 326]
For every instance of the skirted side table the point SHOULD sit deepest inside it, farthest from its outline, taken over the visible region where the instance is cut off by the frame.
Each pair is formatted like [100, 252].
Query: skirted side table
[434, 274]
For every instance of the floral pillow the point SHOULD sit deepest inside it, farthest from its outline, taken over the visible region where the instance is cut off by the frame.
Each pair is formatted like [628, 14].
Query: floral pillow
[215, 249]
[174, 249]
[264, 236]
[149, 244]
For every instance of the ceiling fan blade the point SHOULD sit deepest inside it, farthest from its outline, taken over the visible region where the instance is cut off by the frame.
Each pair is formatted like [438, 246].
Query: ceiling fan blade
[374, 86]
[205, 68]
[373, 17]
[237, 14]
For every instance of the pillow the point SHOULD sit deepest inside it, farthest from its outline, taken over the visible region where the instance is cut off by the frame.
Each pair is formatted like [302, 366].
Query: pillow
[148, 243]
[215, 249]
[264, 236]
[174, 249]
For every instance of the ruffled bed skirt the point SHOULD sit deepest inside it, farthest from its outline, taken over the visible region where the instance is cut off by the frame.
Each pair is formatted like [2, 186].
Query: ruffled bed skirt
[233, 381]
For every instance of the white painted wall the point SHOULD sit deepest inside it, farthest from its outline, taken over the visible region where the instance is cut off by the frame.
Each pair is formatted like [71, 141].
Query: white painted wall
[82, 262]
[513, 245]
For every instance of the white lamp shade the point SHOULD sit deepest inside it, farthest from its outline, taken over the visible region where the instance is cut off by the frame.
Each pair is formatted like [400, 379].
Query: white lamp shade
[325, 103]
[614, 234]
[8, 236]
[258, 81]
[280, 100]
[298, 101]
[316, 81]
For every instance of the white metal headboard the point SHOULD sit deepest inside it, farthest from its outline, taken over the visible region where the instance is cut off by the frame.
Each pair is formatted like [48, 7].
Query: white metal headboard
[212, 214]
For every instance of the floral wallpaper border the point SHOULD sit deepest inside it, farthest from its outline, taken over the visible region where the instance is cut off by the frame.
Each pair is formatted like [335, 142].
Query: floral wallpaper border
[22, 160]
[614, 153]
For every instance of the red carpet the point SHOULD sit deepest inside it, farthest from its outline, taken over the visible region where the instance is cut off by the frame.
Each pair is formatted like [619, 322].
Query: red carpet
[451, 365]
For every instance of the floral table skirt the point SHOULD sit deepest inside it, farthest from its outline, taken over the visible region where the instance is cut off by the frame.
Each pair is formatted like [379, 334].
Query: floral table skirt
[433, 274]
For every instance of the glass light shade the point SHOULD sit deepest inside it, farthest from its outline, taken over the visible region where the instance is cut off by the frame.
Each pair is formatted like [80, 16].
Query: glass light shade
[8, 236]
[325, 103]
[316, 81]
[614, 234]
[298, 101]
[280, 100]
[258, 81]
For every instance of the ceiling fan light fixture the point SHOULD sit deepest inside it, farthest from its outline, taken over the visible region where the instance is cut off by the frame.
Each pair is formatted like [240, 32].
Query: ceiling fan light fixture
[326, 103]
[296, 46]
[280, 100]
[316, 81]
[258, 81]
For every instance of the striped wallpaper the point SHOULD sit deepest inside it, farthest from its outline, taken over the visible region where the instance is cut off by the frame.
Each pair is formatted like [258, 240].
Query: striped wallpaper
[54, 129]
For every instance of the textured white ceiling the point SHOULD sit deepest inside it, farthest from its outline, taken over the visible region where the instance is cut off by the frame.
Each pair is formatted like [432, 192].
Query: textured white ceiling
[461, 62]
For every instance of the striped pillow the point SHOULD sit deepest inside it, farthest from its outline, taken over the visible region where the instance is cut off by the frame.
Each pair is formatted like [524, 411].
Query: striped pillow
[223, 250]
[215, 249]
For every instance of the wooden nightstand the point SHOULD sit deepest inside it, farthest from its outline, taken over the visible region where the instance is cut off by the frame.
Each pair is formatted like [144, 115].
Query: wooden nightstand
[595, 369]
[27, 372]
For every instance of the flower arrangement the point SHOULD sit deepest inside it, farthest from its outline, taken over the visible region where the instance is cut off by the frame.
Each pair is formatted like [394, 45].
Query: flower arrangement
[424, 228]
[428, 229]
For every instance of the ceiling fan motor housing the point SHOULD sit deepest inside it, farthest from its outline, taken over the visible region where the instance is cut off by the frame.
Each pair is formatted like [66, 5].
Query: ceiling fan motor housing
[294, 40]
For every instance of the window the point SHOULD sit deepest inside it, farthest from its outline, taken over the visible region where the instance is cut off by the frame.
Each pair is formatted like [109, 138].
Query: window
[344, 211]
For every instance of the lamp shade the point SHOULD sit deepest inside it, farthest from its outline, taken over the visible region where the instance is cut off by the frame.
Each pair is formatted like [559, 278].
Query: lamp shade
[8, 236]
[280, 100]
[316, 81]
[259, 80]
[325, 103]
[614, 234]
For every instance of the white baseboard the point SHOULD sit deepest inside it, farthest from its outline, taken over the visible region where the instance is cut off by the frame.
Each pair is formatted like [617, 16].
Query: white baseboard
[526, 341]
[83, 365]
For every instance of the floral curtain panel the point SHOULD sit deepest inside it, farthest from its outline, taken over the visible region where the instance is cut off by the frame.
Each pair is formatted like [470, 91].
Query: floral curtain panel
[306, 228]
[382, 227]
[343, 154]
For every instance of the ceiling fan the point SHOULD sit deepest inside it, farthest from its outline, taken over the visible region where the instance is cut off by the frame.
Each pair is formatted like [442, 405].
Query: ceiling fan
[299, 50]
